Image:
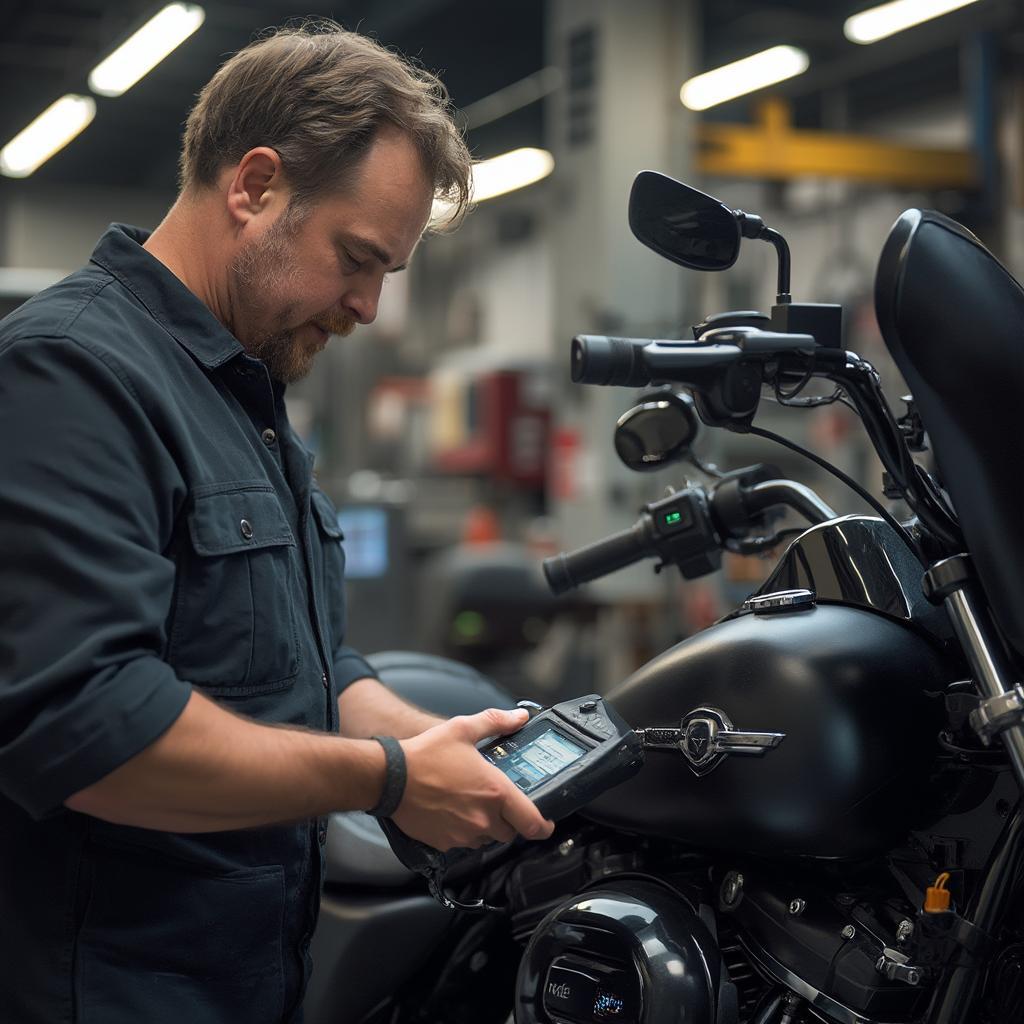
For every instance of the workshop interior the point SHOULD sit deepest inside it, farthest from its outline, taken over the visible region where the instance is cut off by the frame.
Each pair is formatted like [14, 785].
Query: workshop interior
[700, 438]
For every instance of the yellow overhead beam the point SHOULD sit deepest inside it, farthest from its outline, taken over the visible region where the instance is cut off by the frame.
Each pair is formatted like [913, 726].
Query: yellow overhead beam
[773, 149]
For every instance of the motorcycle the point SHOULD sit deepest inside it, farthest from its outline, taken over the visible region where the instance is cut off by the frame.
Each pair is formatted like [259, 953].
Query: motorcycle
[828, 825]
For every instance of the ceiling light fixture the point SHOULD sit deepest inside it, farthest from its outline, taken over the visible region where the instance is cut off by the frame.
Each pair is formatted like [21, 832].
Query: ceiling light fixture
[878, 22]
[51, 131]
[141, 52]
[515, 169]
[743, 76]
[506, 173]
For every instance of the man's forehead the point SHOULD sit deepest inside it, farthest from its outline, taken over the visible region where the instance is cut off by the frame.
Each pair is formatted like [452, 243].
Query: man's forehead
[387, 201]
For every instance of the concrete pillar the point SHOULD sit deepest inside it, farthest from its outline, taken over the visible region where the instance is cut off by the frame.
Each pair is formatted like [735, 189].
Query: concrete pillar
[617, 112]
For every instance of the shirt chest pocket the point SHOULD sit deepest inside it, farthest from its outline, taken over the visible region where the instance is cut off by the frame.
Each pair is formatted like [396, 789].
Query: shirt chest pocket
[232, 628]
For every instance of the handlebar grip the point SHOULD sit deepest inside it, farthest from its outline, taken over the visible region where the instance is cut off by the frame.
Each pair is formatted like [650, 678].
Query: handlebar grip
[637, 362]
[569, 569]
[600, 360]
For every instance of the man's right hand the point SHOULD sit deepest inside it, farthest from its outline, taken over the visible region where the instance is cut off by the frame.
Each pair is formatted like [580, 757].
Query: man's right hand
[455, 797]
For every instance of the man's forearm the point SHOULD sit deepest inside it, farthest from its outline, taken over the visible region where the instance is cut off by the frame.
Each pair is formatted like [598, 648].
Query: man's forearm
[367, 708]
[213, 770]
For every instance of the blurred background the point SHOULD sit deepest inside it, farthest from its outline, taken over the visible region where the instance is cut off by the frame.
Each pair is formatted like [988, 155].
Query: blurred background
[448, 432]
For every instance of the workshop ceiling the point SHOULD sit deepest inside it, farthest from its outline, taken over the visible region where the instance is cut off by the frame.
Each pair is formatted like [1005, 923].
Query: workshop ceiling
[47, 48]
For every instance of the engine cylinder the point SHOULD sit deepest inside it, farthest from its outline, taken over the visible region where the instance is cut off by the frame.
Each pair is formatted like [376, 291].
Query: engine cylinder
[632, 952]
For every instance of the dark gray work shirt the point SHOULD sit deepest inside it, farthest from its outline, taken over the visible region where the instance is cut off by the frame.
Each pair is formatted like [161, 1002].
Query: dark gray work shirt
[160, 531]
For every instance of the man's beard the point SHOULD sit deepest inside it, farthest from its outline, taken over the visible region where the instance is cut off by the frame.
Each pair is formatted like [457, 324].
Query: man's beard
[267, 267]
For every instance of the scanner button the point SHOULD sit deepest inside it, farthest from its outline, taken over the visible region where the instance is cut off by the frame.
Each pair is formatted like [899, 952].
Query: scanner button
[588, 707]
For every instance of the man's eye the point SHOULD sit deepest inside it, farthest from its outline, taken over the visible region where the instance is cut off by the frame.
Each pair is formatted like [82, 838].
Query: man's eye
[351, 263]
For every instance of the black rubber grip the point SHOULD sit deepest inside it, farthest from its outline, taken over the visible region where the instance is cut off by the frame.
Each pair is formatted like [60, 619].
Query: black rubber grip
[636, 362]
[616, 361]
[569, 569]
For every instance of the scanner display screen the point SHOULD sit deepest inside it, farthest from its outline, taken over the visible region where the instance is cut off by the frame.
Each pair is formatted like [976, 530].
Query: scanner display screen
[534, 762]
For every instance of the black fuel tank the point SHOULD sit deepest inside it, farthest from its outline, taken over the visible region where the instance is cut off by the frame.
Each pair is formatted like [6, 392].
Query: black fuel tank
[849, 688]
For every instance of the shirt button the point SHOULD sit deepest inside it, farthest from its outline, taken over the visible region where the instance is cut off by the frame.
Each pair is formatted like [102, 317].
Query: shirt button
[269, 437]
[245, 527]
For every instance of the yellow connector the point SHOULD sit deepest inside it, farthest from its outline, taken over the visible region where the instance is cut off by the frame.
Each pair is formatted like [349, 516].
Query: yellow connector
[937, 897]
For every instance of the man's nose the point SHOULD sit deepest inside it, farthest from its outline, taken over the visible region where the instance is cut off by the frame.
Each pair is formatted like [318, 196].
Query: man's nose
[362, 301]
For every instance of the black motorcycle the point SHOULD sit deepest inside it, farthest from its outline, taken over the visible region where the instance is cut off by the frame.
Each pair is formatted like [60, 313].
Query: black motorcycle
[828, 825]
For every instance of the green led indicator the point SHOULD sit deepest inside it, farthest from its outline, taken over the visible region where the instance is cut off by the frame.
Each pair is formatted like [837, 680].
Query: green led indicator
[672, 518]
[468, 626]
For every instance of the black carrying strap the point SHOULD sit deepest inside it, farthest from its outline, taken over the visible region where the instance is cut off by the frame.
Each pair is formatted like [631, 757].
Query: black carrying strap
[433, 866]
[395, 775]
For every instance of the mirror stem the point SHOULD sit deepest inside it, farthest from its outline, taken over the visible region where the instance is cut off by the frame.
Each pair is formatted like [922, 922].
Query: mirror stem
[752, 226]
[782, 251]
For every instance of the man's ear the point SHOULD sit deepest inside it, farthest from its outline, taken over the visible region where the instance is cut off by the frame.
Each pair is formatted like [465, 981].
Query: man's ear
[256, 185]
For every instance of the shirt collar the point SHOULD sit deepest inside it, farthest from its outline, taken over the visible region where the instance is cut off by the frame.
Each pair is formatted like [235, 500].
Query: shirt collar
[179, 311]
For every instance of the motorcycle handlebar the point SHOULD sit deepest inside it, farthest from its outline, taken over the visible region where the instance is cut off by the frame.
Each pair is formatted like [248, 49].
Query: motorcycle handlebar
[769, 493]
[567, 570]
[636, 362]
[685, 526]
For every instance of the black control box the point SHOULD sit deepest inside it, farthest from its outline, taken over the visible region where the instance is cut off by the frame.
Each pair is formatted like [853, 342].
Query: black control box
[822, 320]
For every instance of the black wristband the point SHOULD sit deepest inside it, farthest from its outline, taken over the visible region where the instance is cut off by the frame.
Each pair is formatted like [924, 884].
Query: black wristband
[394, 778]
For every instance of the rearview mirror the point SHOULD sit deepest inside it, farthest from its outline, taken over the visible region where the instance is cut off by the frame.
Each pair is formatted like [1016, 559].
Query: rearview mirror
[682, 224]
[658, 431]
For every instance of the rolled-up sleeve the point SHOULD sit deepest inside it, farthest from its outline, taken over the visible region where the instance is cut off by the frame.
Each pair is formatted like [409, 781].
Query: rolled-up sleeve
[350, 665]
[87, 500]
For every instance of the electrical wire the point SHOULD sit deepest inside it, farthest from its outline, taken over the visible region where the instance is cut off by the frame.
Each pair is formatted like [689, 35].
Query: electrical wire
[860, 381]
[900, 529]
[707, 468]
[918, 487]
[797, 388]
[789, 401]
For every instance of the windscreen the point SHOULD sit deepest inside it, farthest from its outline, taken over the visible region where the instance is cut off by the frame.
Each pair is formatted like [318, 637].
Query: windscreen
[952, 317]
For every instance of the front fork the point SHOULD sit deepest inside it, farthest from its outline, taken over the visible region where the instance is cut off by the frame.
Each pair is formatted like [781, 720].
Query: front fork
[999, 716]
[1001, 713]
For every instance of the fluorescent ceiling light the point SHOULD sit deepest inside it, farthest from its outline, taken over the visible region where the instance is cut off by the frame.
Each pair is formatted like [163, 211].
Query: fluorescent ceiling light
[140, 53]
[506, 173]
[51, 131]
[878, 22]
[743, 76]
[515, 169]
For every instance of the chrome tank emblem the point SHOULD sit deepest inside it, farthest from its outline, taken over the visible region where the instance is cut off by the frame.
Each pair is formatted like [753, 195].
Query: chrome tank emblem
[705, 737]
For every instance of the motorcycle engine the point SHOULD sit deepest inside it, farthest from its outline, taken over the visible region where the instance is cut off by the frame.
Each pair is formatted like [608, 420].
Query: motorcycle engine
[632, 952]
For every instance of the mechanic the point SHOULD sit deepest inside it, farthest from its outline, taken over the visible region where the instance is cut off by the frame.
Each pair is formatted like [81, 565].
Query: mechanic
[172, 661]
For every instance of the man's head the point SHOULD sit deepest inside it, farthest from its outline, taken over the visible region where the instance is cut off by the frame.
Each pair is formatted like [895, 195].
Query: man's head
[324, 152]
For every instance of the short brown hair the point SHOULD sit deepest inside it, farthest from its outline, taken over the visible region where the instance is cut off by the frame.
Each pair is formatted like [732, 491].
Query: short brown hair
[318, 95]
